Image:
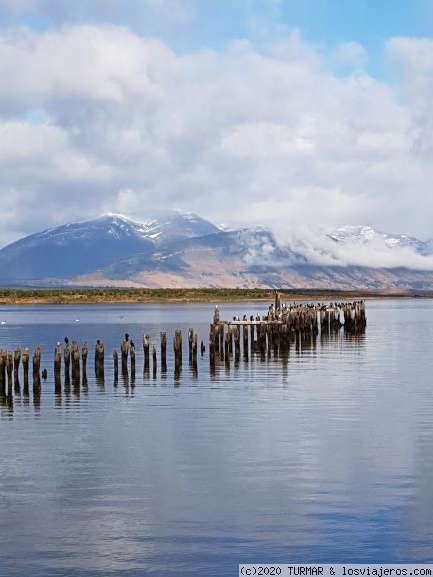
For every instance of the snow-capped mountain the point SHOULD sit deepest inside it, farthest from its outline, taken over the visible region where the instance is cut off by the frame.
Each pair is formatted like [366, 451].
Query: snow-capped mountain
[365, 235]
[81, 248]
[171, 225]
[182, 249]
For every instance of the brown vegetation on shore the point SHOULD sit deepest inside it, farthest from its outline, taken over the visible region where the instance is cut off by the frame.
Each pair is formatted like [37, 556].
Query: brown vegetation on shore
[131, 296]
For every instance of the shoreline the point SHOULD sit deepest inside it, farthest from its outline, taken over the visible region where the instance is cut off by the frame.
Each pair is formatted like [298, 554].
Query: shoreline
[151, 296]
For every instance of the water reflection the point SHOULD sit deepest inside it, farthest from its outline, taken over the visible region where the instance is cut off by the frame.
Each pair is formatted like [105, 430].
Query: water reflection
[314, 448]
[236, 357]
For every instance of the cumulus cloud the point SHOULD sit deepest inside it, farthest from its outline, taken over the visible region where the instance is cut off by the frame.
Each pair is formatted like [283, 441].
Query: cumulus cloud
[413, 60]
[97, 118]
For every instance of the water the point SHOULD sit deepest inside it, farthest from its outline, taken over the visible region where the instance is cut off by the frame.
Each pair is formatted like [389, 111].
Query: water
[326, 456]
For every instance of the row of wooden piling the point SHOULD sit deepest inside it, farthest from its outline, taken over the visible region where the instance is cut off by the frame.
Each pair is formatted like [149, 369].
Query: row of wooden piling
[9, 369]
[276, 331]
[71, 356]
[282, 326]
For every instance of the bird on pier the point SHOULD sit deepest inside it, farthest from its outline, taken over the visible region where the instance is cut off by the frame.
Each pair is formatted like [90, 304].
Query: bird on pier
[66, 340]
[126, 337]
[132, 344]
[44, 374]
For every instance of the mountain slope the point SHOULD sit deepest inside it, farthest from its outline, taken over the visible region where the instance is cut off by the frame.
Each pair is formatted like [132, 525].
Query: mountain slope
[185, 250]
[75, 249]
[365, 235]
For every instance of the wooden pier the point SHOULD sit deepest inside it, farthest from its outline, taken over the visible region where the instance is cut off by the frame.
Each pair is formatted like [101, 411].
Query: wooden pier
[267, 335]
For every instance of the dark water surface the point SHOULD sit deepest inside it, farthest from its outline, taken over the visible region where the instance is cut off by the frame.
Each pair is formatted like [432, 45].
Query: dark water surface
[326, 456]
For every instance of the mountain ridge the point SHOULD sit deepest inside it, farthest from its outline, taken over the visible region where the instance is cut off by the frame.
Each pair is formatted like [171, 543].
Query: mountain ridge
[175, 249]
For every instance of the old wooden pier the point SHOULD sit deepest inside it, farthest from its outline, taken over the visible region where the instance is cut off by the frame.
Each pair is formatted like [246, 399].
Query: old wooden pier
[270, 334]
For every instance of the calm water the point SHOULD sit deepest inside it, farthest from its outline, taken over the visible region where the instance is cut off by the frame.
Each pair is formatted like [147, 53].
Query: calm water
[326, 456]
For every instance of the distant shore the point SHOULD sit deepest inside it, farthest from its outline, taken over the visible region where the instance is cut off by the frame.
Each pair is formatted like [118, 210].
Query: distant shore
[131, 296]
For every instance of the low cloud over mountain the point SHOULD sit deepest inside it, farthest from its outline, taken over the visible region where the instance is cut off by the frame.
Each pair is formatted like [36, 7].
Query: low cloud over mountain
[183, 249]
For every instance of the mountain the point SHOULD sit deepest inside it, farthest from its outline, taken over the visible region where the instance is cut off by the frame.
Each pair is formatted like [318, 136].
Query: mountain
[365, 235]
[70, 250]
[174, 249]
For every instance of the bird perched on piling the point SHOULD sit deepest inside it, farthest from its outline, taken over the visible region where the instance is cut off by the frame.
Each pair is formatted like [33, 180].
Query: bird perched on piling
[126, 337]
[66, 340]
[131, 343]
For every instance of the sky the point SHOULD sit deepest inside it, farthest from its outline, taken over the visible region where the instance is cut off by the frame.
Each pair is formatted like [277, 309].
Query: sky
[291, 114]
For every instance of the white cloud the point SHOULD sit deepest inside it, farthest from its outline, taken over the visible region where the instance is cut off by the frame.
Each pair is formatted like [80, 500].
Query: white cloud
[96, 118]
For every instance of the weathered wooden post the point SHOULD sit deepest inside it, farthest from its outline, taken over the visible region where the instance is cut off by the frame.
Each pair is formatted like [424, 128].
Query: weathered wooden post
[262, 338]
[132, 356]
[75, 357]
[245, 345]
[252, 330]
[163, 337]
[36, 367]
[277, 301]
[25, 359]
[177, 347]
[124, 349]
[216, 315]
[57, 369]
[146, 347]
[268, 330]
[194, 356]
[57, 360]
[190, 342]
[116, 366]
[99, 360]
[217, 330]
[67, 361]
[221, 343]
[194, 348]
[237, 340]
[275, 329]
[84, 353]
[154, 361]
[284, 338]
[17, 359]
[9, 369]
[212, 344]
[227, 344]
[2, 374]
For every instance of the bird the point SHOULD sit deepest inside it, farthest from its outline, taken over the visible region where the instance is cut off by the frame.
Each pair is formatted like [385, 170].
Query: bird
[132, 344]
[66, 340]
[44, 374]
[126, 337]
[3, 322]
[202, 348]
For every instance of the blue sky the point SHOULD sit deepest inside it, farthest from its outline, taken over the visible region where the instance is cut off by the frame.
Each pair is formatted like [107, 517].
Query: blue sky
[271, 107]
[198, 24]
